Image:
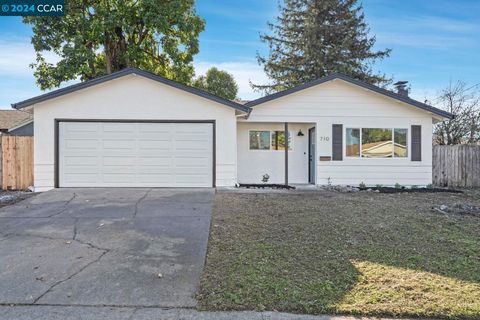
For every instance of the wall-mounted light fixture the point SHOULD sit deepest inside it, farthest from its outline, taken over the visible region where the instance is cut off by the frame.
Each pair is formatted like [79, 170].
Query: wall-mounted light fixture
[300, 133]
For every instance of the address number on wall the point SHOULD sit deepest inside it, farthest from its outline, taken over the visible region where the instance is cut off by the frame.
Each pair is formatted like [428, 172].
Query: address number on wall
[323, 138]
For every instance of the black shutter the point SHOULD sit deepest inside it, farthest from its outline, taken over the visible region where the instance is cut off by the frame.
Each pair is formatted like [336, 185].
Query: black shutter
[416, 143]
[337, 142]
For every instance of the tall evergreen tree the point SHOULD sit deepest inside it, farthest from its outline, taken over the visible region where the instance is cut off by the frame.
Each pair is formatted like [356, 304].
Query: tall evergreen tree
[315, 38]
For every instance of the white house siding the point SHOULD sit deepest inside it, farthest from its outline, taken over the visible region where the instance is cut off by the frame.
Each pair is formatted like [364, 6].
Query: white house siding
[339, 102]
[253, 164]
[134, 98]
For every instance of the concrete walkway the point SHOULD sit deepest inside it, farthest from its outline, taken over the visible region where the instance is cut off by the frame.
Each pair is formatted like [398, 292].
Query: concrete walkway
[108, 313]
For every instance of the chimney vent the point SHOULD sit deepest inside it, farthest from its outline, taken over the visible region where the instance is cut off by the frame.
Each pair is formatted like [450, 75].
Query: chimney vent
[401, 87]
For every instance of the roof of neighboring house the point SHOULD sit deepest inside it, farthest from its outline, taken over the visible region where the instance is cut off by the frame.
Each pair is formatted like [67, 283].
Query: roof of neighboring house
[362, 84]
[21, 124]
[12, 118]
[121, 73]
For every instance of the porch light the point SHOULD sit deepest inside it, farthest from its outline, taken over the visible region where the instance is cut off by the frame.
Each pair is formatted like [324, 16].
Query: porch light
[300, 133]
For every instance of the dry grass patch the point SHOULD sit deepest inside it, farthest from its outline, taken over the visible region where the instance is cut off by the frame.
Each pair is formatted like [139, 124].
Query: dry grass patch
[327, 252]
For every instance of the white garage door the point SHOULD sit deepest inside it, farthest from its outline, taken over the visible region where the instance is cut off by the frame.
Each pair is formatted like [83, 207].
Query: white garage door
[135, 154]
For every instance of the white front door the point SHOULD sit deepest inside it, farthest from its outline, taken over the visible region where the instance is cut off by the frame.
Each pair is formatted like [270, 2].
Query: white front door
[135, 154]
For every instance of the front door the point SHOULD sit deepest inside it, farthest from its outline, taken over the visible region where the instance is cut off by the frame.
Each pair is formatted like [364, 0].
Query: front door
[311, 155]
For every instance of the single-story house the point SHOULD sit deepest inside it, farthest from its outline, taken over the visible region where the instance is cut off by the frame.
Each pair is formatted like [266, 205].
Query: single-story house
[136, 129]
[16, 122]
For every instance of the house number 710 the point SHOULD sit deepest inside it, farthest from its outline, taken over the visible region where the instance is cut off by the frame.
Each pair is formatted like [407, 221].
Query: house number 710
[324, 138]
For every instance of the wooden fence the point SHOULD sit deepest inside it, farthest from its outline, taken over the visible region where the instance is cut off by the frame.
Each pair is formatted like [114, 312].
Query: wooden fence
[456, 166]
[17, 162]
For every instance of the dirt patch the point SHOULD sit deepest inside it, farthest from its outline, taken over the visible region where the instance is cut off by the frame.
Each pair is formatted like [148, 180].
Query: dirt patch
[458, 208]
[11, 197]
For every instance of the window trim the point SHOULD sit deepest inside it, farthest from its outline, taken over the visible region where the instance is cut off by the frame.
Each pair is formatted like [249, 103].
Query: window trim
[376, 127]
[272, 131]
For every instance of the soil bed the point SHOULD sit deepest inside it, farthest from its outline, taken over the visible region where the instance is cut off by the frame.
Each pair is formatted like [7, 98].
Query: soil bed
[265, 186]
[410, 190]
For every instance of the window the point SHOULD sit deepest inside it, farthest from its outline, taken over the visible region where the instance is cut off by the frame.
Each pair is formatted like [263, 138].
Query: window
[278, 140]
[376, 143]
[400, 143]
[259, 140]
[353, 142]
[269, 140]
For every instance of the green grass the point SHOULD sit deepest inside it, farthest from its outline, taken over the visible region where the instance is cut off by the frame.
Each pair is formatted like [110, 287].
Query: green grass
[361, 254]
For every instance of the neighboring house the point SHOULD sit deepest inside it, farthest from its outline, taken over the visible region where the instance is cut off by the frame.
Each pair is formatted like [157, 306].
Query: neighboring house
[22, 129]
[136, 129]
[15, 122]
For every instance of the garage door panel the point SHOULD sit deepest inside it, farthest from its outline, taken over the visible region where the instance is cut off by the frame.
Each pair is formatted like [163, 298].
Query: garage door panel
[82, 170]
[198, 162]
[83, 127]
[119, 161]
[82, 144]
[155, 153]
[117, 177]
[109, 154]
[192, 145]
[155, 162]
[118, 127]
[81, 177]
[154, 170]
[166, 128]
[81, 161]
[156, 178]
[156, 144]
[119, 144]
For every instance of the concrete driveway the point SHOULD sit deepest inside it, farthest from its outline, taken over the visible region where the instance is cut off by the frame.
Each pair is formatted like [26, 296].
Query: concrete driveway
[105, 247]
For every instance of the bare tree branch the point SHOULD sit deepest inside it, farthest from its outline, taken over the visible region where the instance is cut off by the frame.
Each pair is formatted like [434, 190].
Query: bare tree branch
[464, 103]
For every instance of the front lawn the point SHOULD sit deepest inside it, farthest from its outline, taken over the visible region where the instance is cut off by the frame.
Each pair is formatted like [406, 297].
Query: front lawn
[352, 253]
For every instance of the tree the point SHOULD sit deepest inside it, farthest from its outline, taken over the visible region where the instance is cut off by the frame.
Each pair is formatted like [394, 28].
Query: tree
[464, 103]
[218, 82]
[100, 37]
[315, 38]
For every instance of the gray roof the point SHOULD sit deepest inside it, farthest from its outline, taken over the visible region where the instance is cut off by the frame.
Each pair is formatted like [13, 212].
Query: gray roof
[124, 72]
[13, 118]
[244, 107]
[362, 84]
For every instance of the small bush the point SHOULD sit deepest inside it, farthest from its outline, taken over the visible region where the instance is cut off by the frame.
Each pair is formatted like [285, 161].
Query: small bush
[265, 178]
[398, 186]
[362, 185]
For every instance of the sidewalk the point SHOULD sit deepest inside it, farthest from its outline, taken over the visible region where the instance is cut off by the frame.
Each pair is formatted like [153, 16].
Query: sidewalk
[39, 312]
